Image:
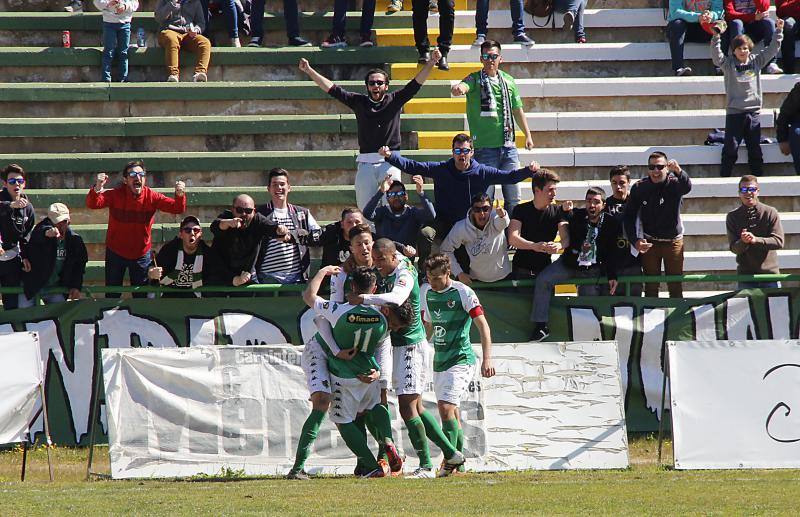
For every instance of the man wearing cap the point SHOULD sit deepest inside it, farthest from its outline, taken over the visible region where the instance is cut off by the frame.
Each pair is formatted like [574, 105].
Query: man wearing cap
[186, 262]
[131, 211]
[57, 257]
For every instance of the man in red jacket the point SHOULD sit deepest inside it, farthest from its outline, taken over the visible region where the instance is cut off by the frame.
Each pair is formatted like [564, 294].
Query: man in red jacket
[789, 12]
[750, 17]
[131, 210]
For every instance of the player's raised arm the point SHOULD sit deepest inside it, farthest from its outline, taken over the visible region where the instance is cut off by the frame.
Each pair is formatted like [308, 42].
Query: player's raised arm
[310, 294]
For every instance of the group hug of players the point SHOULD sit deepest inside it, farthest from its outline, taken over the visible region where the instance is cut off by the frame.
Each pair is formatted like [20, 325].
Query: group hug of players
[374, 329]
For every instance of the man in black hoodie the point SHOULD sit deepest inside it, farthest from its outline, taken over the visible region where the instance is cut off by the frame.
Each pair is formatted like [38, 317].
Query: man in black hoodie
[57, 258]
[16, 223]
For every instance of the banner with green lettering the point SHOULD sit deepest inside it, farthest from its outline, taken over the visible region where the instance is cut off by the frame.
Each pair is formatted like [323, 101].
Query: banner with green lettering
[71, 335]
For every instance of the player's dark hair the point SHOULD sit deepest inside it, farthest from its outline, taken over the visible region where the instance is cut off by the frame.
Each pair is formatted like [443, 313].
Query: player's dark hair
[384, 245]
[656, 154]
[542, 177]
[131, 165]
[363, 279]
[439, 262]
[488, 44]
[403, 313]
[358, 230]
[13, 168]
[277, 172]
[462, 138]
[376, 71]
[350, 210]
[596, 191]
[620, 170]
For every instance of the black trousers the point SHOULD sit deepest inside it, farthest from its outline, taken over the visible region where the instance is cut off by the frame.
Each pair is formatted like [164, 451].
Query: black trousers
[447, 17]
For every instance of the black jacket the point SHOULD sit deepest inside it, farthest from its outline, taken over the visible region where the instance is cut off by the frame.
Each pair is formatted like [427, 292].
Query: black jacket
[41, 252]
[606, 241]
[238, 249]
[15, 223]
[789, 115]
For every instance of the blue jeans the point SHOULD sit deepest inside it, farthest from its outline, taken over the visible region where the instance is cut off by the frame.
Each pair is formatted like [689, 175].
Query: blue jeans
[505, 159]
[759, 30]
[116, 38]
[48, 299]
[577, 7]
[228, 7]
[759, 285]
[290, 13]
[115, 271]
[340, 20]
[679, 31]
[742, 126]
[482, 17]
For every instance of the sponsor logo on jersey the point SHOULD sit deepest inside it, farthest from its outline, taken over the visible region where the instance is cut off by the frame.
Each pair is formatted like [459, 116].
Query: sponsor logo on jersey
[439, 332]
[357, 318]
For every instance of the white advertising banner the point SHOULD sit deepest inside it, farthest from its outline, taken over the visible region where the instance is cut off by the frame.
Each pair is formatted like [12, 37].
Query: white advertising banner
[20, 380]
[203, 409]
[732, 403]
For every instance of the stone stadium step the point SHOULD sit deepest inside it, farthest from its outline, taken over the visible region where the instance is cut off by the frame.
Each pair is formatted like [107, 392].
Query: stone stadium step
[163, 99]
[82, 64]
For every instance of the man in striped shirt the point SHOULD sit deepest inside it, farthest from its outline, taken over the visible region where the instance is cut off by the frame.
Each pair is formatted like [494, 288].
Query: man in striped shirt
[285, 259]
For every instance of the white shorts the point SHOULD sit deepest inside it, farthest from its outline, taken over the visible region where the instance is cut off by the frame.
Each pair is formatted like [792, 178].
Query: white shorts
[351, 397]
[315, 365]
[451, 384]
[383, 355]
[408, 369]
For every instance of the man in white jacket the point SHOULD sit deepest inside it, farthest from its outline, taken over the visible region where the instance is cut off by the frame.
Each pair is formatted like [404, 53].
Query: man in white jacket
[483, 235]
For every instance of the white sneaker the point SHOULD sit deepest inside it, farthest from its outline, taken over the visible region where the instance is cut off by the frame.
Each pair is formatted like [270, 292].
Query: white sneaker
[773, 68]
[200, 77]
[684, 71]
[422, 473]
[173, 79]
[449, 465]
[236, 42]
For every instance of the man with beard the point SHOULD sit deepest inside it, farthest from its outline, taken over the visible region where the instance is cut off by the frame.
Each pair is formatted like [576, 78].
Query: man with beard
[238, 233]
[378, 119]
[588, 236]
[131, 211]
[186, 262]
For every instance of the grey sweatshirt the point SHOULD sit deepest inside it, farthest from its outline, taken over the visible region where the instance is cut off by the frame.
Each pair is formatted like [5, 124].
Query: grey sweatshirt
[743, 81]
[487, 248]
[186, 16]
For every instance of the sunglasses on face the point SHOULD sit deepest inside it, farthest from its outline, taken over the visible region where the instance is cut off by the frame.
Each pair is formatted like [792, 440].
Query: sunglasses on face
[376, 83]
[133, 174]
[748, 190]
[492, 57]
[397, 193]
[461, 150]
[192, 229]
[15, 181]
[240, 210]
[653, 166]
[482, 209]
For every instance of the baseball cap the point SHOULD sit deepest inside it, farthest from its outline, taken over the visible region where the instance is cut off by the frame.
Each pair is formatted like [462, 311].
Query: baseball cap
[190, 219]
[58, 212]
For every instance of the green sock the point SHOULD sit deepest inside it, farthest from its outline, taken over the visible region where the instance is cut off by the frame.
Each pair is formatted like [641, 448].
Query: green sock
[307, 437]
[460, 446]
[434, 432]
[416, 432]
[357, 443]
[380, 426]
[450, 429]
[360, 423]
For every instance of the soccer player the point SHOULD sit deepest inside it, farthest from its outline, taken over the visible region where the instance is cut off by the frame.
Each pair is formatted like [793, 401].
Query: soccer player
[408, 377]
[448, 310]
[353, 379]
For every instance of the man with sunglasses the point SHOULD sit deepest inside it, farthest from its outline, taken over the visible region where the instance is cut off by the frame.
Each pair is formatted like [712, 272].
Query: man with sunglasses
[457, 180]
[493, 107]
[754, 234]
[655, 202]
[483, 235]
[186, 262]
[16, 223]
[132, 208]
[401, 222]
[378, 120]
[238, 233]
